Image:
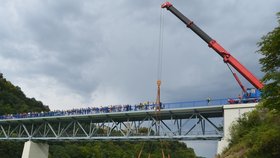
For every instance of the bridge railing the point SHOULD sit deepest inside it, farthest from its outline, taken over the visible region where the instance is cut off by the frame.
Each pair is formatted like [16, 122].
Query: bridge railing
[196, 103]
[126, 108]
[210, 102]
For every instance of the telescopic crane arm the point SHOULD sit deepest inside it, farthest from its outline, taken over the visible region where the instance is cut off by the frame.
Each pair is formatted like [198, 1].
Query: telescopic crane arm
[227, 57]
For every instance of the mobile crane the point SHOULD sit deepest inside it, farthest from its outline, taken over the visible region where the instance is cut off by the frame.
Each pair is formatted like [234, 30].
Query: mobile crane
[249, 94]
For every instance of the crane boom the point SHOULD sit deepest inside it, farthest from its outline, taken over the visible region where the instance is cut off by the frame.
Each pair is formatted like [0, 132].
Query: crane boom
[227, 57]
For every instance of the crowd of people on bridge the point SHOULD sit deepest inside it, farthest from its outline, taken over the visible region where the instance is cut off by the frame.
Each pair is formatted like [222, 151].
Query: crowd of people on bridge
[127, 107]
[85, 111]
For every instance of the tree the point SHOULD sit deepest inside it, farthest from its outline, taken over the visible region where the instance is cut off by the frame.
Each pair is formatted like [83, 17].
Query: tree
[12, 101]
[270, 49]
[256, 134]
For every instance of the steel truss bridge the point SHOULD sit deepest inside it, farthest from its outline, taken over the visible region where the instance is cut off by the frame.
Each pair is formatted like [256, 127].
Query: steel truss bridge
[192, 123]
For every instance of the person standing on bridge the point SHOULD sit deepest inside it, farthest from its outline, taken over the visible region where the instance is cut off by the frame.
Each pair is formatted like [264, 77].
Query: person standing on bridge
[239, 98]
[208, 100]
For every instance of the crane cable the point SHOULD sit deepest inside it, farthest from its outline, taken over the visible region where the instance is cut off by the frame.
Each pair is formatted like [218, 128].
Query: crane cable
[141, 150]
[160, 54]
[160, 57]
[159, 76]
[160, 45]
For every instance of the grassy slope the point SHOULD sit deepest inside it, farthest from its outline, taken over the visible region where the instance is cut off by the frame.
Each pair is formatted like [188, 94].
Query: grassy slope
[256, 135]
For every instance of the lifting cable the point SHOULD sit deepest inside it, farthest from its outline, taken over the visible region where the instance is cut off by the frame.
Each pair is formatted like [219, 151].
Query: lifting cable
[160, 52]
[159, 76]
[141, 150]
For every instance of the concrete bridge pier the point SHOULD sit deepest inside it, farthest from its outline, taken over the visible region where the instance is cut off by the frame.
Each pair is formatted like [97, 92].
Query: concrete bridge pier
[35, 150]
[231, 113]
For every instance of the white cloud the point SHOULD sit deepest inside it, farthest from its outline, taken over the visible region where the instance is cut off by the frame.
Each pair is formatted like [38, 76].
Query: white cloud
[74, 53]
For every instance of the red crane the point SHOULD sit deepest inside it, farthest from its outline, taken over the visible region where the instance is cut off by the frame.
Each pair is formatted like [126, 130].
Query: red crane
[227, 57]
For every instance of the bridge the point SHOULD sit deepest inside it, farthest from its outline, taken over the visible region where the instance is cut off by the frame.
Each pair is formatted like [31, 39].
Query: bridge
[198, 120]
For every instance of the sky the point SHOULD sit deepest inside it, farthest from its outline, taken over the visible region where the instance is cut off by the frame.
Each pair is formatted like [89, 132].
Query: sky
[72, 54]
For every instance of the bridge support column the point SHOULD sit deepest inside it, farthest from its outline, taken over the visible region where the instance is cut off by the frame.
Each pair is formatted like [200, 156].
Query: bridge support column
[35, 150]
[231, 114]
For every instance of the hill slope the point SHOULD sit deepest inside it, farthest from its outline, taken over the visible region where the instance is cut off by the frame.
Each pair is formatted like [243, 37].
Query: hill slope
[13, 100]
[256, 135]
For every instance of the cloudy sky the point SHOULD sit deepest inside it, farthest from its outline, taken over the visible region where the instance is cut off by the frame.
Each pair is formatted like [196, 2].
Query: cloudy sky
[70, 53]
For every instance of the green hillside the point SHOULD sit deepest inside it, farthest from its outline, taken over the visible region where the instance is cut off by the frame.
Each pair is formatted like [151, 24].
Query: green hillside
[256, 135]
[13, 100]
[120, 150]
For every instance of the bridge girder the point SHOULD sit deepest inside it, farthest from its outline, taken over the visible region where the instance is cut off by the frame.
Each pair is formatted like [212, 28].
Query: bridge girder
[146, 125]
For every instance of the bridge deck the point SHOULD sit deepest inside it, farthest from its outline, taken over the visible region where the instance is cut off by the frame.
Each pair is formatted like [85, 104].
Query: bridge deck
[163, 114]
[180, 123]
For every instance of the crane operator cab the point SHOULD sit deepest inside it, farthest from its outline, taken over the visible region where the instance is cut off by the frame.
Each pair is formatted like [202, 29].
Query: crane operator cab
[252, 95]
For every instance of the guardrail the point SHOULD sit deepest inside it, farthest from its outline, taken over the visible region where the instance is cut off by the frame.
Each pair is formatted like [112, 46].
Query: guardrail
[125, 108]
[196, 103]
[210, 102]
